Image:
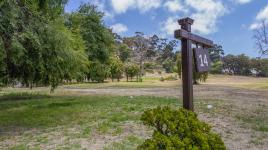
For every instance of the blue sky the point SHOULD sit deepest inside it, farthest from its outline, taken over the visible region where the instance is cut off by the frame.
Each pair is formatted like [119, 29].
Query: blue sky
[229, 23]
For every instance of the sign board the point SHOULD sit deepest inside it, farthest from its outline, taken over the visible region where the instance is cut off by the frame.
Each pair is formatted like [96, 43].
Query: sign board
[202, 60]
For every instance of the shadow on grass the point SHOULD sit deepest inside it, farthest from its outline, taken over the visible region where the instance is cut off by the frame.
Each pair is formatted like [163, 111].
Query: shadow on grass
[23, 96]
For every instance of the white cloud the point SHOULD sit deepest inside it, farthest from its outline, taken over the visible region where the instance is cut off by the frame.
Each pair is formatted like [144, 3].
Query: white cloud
[174, 6]
[242, 1]
[170, 25]
[261, 16]
[254, 26]
[145, 5]
[101, 4]
[206, 15]
[119, 28]
[121, 6]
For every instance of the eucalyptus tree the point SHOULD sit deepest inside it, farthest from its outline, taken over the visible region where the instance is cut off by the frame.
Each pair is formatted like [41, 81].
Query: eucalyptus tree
[98, 40]
[37, 48]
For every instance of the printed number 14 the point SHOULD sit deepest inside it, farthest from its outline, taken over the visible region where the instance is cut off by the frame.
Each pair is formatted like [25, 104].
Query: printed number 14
[203, 60]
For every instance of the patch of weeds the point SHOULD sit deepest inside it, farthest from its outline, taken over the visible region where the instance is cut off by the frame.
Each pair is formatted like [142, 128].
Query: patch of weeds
[103, 127]
[117, 131]
[19, 147]
[129, 143]
[257, 119]
[42, 139]
[211, 107]
[257, 140]
[86, 132]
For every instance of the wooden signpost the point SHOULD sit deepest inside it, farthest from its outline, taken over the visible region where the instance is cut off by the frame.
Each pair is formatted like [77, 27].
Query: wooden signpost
[201, 57]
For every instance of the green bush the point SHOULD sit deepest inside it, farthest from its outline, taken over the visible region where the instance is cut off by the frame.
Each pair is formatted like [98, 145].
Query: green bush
[179, 129]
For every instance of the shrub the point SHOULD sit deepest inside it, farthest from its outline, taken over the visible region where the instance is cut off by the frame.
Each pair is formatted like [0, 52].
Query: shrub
[179, 129]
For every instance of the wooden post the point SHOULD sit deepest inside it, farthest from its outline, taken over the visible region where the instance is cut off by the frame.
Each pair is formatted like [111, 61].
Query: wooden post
[187, 39]
[187, 67]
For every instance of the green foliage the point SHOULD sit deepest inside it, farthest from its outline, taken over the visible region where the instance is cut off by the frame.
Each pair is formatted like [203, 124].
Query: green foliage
[238, 65]
[260, 66]
[216, 53]
[2, 63]
[116, 68]
[131, 70]
[179, 129]
[216, 67]
[168, 65]
[179, 64]
[98, 39]
[37, 48]
[98, 72]
[202, 77]
[123, 52]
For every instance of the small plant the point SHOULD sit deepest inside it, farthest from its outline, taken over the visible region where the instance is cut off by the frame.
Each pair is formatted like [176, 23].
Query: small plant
[179, 129]
[162, 79]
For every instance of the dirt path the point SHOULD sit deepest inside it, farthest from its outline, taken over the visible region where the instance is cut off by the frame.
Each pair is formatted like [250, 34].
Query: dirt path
[200, 91]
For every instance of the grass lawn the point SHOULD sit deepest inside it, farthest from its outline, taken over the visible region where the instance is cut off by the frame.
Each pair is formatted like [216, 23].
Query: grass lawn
[34, 118]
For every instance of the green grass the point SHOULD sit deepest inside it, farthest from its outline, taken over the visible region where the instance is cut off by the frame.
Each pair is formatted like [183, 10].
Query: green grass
[129, 143]
[257, 118]
[41, 111]
[148, 82]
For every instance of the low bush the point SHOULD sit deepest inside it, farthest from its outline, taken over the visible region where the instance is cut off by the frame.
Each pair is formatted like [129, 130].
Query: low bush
[179, 129]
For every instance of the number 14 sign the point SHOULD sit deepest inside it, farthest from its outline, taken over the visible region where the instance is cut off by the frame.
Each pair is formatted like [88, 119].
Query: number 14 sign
[202, 60]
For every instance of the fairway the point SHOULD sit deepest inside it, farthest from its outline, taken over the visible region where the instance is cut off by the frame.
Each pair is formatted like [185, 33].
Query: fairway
[108, 116]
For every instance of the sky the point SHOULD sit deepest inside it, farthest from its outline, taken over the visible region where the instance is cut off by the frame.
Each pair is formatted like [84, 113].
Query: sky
[230, 23]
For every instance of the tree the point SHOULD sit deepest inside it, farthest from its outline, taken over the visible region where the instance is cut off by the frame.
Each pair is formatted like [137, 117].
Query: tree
[131, 70]
[142, 50]
[261, 38]
[179, 64]
[116, 68]
[217, 67]
[238, 65]
[37, 47]
[260, 66]
[99, 40]
[216, 53]
[123, 52]
[98, 71]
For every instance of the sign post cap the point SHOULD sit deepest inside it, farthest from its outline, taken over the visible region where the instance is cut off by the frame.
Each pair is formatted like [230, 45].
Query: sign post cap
[186, 20]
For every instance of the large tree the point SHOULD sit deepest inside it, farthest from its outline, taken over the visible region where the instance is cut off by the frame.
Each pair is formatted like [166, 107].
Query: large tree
[37, 48]
[261, 38]
[99, 40]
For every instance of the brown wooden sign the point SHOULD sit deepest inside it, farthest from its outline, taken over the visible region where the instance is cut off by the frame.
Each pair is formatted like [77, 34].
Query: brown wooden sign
[202, 60]
[187, 39]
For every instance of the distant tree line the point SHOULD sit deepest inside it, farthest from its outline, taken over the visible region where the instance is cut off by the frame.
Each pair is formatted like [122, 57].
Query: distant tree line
[237, 64]
[42, 45]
